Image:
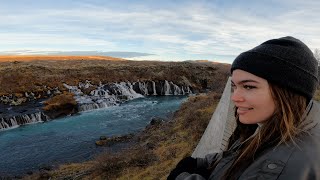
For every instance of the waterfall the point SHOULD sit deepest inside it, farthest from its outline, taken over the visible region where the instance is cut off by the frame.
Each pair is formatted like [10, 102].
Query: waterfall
[88, 107]
[3, 124]
[73, 89]
[16, 121]
[99, 92]
[166, 88]
[125, 89]
[106, 95]
[176, 89]
[189, 91]
[13, 121]
[140, 88]
[143, 88]
[154, 88]
[90, 103]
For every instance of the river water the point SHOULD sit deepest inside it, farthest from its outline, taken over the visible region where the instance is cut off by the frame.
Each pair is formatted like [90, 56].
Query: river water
[72, 138]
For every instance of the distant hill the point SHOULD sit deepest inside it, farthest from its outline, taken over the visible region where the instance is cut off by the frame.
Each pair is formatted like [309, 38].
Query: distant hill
[10, 58]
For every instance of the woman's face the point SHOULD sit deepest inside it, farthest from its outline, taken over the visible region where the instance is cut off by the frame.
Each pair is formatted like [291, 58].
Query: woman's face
[252, 97]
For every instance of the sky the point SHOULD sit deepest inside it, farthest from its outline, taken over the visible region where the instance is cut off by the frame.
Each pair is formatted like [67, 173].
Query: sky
[168, 30]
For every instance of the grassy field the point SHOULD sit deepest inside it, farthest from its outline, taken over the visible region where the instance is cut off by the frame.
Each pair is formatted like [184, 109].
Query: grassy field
[40, 74]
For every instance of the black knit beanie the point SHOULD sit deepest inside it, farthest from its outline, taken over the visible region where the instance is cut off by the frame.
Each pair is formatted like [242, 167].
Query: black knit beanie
[286, 61]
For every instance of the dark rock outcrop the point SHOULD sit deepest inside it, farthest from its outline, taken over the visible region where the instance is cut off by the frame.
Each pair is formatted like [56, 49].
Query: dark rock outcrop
[156, 121]
[109, 141]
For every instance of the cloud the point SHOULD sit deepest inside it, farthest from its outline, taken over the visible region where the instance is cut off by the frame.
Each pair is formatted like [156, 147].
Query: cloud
[196, 29]
[126, 54]
[98, 53]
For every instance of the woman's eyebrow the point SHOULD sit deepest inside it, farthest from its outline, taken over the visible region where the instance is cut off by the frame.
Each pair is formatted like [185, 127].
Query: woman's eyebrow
[245, 81]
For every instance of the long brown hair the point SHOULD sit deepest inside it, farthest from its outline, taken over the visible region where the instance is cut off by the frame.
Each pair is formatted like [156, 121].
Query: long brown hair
[282, 127]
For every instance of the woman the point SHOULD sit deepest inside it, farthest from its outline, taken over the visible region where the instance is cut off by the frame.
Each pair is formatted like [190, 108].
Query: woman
[277, 134]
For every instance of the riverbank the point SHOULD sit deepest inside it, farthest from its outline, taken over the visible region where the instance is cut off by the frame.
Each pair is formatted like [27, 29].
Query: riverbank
[156, 149]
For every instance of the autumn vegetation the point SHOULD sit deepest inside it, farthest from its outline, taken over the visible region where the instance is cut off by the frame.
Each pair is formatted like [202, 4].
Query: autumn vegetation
[39, 76]
[64, 104]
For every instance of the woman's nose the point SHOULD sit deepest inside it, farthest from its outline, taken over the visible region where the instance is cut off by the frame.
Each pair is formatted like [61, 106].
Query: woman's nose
[237, 96]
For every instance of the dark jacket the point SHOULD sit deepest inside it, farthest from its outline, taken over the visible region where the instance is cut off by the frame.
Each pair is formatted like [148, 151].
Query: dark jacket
[300, 161]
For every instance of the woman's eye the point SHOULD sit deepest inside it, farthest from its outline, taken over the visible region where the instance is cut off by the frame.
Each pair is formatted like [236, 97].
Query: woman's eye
[248, 87]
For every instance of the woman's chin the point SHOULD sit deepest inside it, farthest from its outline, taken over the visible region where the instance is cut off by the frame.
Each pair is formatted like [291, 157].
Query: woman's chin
[246, 121]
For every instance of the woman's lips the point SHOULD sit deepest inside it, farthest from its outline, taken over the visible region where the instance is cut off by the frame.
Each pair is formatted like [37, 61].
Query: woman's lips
[242, 110]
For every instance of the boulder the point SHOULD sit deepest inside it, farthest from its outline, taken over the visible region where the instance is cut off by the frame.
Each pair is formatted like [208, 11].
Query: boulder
[103, 137]
[156, 121]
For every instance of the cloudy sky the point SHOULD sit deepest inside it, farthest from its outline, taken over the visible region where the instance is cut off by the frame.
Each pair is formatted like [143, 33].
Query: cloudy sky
[216, 30]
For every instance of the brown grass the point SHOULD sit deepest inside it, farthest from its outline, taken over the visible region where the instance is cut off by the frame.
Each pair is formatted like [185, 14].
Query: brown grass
[60, 105]
[58, 101]
[40, 76]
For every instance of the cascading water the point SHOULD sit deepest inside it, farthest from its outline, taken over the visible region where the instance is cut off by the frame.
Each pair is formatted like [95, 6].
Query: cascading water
[154, 88]
[166, 88]
[104, 95]
[15, 121]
